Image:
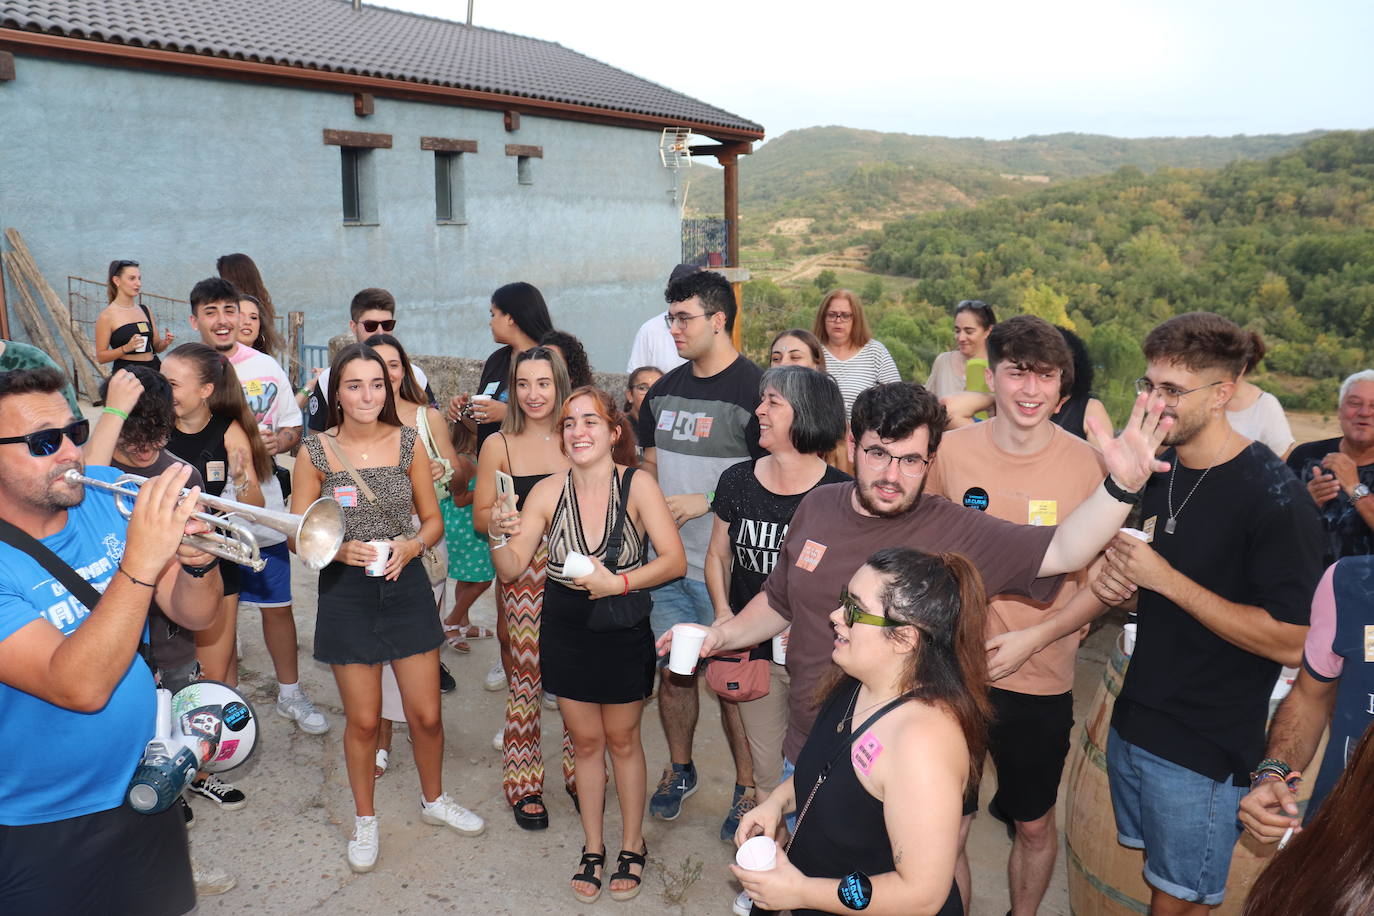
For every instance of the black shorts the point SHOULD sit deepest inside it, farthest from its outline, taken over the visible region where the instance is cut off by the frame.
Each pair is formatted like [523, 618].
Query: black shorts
[1029, 741]
[115, 862]
[229, 573]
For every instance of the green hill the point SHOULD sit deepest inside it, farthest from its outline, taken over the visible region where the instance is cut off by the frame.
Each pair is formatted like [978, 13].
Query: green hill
[1284, 245]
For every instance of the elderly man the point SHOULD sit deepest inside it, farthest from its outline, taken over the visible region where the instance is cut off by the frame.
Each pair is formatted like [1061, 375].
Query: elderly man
[77, 703]
[1340, 472]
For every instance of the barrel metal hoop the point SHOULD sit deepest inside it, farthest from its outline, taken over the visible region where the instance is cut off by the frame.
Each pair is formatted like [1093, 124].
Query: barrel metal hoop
[1116, 896]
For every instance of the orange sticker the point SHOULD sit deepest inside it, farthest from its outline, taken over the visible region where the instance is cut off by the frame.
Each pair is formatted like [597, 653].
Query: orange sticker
[810, 556]
[703, 428]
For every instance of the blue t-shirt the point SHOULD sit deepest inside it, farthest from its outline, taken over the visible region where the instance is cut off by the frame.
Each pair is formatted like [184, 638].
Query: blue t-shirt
[56, 763]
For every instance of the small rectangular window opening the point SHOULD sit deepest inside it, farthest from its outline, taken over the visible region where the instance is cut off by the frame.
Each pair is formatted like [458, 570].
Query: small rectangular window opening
[448, 187]
[524, 170]
[351, 159]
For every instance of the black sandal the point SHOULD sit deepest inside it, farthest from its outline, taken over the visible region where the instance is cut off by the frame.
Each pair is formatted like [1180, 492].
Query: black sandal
[525, 819]
[577, 802]
[590, 862]
[623, 873]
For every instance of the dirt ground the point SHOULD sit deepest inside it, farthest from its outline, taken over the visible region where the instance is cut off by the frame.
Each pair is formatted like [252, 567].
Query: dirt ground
[288, 846]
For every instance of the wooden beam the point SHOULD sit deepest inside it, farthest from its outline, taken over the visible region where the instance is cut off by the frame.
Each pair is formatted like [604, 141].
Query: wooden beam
[6, 66]
[730, 161]
[515, 149]
[448, 145]
[39, 332]
[512, 120]
[207, 65]
[356, 138]
[295, 332]
[4, 307]
[82, 351]
[363, 104]
[722, 149]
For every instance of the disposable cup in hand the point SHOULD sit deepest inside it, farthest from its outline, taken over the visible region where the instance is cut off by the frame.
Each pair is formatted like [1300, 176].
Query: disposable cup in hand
[577, 565]
[758, 853]
[378, 566]
[1128, 638]
[1137, 534]
[687, 640]
[780, 647]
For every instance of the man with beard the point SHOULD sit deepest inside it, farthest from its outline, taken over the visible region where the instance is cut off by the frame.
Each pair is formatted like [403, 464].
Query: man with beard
[895, 430]
[77, 703]
[1225, 587]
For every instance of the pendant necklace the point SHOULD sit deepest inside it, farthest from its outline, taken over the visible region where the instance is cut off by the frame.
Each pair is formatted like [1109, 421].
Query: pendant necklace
[848, 717]
[1171, 525]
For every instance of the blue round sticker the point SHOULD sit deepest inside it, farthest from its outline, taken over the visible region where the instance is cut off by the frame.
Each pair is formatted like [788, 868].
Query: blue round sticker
[976, 498]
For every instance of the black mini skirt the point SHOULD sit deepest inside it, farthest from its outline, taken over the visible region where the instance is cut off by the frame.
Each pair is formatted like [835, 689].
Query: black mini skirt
[367, 621]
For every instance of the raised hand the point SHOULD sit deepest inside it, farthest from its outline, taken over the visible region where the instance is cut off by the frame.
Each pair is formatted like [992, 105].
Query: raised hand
[1130, 457]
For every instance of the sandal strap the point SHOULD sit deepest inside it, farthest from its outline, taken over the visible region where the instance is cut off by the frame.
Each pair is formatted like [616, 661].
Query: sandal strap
[624, 861]
[535, 799]
[588, 864]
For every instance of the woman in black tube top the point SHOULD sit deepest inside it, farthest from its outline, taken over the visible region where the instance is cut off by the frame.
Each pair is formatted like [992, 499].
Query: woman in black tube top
[879, 784]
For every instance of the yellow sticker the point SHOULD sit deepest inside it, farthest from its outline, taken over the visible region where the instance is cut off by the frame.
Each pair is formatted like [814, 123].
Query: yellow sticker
[1044, 512]
[253, 388]
[1149, 529]
[1369, 644]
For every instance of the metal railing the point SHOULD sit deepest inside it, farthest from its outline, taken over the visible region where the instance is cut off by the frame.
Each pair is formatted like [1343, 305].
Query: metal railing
[705, 242]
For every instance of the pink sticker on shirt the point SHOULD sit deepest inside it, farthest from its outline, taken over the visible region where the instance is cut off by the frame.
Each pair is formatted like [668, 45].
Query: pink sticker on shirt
[347, 496]
[703, 430]
[810, 556]
[865, 752]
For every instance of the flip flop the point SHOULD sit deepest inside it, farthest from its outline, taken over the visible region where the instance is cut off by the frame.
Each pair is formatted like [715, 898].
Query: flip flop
[380, 768]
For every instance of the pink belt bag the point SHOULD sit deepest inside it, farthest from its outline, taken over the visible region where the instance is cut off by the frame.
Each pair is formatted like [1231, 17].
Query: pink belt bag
[741, 676]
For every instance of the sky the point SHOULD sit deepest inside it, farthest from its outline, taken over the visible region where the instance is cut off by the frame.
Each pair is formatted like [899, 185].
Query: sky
[993, 69]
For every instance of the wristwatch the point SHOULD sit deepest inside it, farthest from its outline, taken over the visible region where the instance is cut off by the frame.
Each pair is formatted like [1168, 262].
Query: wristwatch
[1359, 493]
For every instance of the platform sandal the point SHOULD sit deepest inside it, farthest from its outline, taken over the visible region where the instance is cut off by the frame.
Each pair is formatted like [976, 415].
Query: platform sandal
[623, 873]
[590, 862]
[527, 820]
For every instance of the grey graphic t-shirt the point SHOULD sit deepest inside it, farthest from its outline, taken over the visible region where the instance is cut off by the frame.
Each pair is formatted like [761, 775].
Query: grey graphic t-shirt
[700, 427]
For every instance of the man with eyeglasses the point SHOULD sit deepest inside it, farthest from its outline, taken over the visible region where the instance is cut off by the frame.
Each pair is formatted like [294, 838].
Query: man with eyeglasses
[77, 703]
[1225, 582]
[1339, 472]
[1020, 466]
[372, 311]
[695, 422]
[895, 430]
[653, 344]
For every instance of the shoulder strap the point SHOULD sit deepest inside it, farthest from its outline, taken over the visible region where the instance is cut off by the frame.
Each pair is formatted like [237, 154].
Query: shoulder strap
[147, 314]
[612, 559]
[342, 458]
[62, 571]
[505, 443]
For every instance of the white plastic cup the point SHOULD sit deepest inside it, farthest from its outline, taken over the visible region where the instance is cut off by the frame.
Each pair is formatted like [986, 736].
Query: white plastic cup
[687, 640]
[1137, 534]
[480, 397]
[758, 853]
[142, 345]
[780, 647]
[1128, 638]
[577, 565]
[378, 566]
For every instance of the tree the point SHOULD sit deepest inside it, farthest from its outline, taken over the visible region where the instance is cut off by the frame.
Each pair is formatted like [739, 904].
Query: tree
[826, 280]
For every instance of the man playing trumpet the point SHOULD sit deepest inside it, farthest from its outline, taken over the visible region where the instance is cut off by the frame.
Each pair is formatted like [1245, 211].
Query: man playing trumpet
[77, 702]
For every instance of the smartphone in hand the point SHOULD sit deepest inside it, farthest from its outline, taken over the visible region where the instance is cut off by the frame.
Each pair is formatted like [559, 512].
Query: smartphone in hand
[505, 490]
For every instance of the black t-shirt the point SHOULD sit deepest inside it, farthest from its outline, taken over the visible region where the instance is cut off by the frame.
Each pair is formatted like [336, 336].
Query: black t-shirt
[493, 381]
[1347, 535]
[758, 519]
[1250, 534]
[172, 646]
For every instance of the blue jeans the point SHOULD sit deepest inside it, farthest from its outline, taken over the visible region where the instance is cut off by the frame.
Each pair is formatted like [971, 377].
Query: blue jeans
[788, 768]
[1185, 822]
[680, 601]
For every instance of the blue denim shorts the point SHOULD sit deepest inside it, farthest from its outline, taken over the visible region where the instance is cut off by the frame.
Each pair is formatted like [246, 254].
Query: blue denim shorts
[272, 586]
[680, 601]
[1185, 822]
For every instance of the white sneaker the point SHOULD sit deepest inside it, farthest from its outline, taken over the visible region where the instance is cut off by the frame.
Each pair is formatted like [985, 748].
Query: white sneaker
[299, 708]
[448, 813]
[210, 881]
[550, 700]
[496, 678]
[742, 906]
[499, 740]
[362, 849]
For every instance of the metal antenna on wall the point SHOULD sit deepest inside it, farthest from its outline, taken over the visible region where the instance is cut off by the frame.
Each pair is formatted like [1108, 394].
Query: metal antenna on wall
[470, 2]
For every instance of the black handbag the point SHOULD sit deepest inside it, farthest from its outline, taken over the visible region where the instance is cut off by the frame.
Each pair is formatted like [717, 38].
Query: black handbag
[619, 612]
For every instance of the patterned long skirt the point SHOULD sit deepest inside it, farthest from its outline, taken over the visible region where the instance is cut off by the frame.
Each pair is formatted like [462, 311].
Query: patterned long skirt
[522, 762]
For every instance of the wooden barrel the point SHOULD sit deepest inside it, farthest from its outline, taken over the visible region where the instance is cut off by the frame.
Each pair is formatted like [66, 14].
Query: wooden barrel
[1105, 877]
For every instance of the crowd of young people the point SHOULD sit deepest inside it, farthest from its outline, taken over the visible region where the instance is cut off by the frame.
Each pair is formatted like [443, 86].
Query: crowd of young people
[945, 546]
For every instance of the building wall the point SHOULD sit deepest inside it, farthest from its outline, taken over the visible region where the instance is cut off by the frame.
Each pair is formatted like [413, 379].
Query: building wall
[100, 163]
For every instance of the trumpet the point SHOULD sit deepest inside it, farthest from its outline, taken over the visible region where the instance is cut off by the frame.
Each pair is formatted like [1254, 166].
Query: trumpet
[318, 532]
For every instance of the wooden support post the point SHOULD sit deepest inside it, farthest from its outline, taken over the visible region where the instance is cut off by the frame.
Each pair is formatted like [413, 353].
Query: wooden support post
[4, 307]
[82, 350]
[295, 332]
[730, 162]
[39, 332]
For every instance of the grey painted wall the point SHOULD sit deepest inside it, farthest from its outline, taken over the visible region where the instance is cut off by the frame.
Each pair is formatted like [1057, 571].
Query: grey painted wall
[98, 163]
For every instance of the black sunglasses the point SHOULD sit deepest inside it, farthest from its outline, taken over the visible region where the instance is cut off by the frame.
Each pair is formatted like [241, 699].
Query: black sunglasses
[46, 441]
[120, 265]
[387, 324]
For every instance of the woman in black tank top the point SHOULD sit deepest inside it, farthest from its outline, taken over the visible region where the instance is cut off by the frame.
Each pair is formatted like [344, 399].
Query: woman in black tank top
[125, 331]
[215, 433]
[879, 785]
[527, 449]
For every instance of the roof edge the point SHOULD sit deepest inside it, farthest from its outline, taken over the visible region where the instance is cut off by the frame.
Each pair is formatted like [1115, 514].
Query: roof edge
[197, 64]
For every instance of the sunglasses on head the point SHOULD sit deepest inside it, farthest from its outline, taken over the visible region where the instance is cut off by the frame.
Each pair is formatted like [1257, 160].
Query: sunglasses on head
[386, 324]
[853, 613]
[44, 442]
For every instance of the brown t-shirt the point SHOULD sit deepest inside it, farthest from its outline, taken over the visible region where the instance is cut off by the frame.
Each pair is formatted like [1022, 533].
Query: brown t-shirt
[1039, 489]
[829, 540]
